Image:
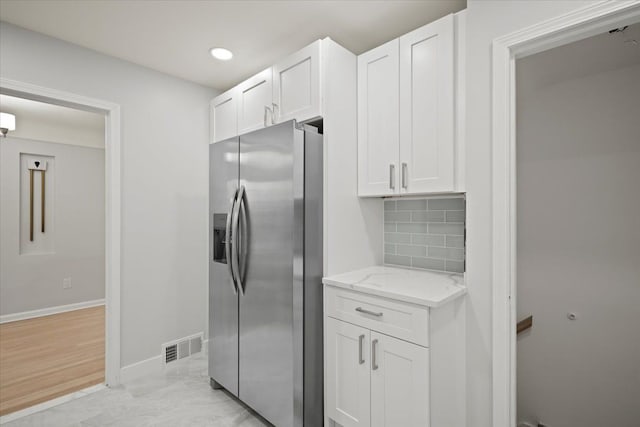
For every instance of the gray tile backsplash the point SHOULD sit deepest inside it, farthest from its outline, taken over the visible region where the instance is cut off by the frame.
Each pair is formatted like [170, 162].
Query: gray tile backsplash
[425, 233]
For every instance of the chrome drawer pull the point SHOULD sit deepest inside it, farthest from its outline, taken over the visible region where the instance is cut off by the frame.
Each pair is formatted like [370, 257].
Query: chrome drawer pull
[373, 313]
[360, 342]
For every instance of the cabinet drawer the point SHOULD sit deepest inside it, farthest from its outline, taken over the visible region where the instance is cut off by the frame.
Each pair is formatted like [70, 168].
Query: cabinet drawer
[405, 321]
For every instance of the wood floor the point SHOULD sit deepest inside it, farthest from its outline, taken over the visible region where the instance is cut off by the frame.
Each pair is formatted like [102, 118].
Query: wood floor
[48, 357]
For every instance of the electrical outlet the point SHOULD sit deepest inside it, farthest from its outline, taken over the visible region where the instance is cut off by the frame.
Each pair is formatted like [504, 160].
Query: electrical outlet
[66, 283]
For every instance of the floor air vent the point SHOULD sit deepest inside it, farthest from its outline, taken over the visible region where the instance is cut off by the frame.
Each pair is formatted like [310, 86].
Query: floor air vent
[170, 353]
[182, 348]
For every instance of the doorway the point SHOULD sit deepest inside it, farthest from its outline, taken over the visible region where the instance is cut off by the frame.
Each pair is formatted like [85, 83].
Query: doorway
[578, 25]
[52, 255]
[110, 117]
[578, 232]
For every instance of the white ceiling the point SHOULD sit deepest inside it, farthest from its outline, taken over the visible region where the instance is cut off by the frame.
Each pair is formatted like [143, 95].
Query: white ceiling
[175, 36]
[597, 54]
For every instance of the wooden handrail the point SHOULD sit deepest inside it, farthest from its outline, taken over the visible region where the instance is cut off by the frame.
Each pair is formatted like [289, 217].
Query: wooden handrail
[524, 324]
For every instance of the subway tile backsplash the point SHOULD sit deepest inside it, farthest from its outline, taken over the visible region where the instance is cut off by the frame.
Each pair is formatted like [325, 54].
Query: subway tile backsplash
[425, 233]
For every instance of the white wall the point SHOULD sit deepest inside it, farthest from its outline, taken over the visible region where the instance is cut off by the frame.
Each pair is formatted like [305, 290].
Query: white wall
[73, 244]
[487, 20]
[54, 123]
[351, 225]
[578, 170]
[53, 132]
[164, 180]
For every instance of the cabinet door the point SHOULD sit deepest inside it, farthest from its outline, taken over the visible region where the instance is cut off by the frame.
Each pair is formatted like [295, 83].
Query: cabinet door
[378, 120]
[296, 85]
[224, 116]
[427, 150]
[254, 102]
[399, 382]
[347, 376]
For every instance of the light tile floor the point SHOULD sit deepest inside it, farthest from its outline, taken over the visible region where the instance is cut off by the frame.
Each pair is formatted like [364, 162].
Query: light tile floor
[181, 396]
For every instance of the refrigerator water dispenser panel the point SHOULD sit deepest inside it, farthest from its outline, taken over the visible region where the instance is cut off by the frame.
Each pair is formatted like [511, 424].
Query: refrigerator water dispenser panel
[219, 237]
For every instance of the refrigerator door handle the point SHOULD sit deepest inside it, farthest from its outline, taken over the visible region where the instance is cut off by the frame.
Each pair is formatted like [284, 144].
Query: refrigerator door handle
[244, 240]
[235, 223]
[228, 250]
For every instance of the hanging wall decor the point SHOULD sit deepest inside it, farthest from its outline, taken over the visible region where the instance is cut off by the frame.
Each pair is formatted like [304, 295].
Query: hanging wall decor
[36, 199]
[36, 166]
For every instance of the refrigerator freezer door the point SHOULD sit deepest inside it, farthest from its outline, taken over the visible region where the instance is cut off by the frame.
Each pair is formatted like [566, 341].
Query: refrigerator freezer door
[223, 301]
[271, 160]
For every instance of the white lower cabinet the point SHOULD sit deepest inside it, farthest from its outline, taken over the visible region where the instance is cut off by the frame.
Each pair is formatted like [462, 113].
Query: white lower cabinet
[348, 373]
[394, 349]
[391, 362]
[373, 379]
[399, 382]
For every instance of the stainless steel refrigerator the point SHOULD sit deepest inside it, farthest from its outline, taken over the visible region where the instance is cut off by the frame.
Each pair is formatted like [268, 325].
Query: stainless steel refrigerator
[265, 272]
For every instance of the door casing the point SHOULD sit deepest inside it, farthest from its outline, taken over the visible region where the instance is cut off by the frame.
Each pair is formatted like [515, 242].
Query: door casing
[579, 24]
[113, 211]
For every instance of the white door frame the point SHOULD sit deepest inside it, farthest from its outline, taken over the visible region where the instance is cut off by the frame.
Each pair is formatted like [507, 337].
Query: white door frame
[580, 24]
[112, 203]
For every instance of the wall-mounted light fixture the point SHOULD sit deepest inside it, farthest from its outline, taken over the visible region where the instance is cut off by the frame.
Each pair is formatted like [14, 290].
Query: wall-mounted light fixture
[7, 123]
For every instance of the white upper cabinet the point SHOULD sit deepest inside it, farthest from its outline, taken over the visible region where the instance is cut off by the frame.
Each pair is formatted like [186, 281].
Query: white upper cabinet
[224, 117]
[427, 145]
[254, 102]
[407, 91]
[378, 120]
[291, 89]
[296, 85]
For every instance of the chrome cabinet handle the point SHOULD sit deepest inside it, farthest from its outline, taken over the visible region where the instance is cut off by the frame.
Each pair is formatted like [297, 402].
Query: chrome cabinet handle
[392, 169]
[227, 243]
[365, 311]
[374, 359]
[274, 112]
[234, 240]
[360, 343]
[267, 110]
[404, 175]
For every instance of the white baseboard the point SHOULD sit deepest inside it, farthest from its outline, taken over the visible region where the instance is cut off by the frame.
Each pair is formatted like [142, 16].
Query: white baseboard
[51, 403]
[153, 365]
[49, 311]
[150, 366]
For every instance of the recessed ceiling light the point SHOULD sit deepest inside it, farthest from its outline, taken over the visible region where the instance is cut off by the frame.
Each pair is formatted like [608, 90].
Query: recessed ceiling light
[221, 53]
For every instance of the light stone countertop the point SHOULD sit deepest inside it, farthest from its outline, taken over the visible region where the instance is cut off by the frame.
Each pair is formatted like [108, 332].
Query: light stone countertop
[427, 288]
